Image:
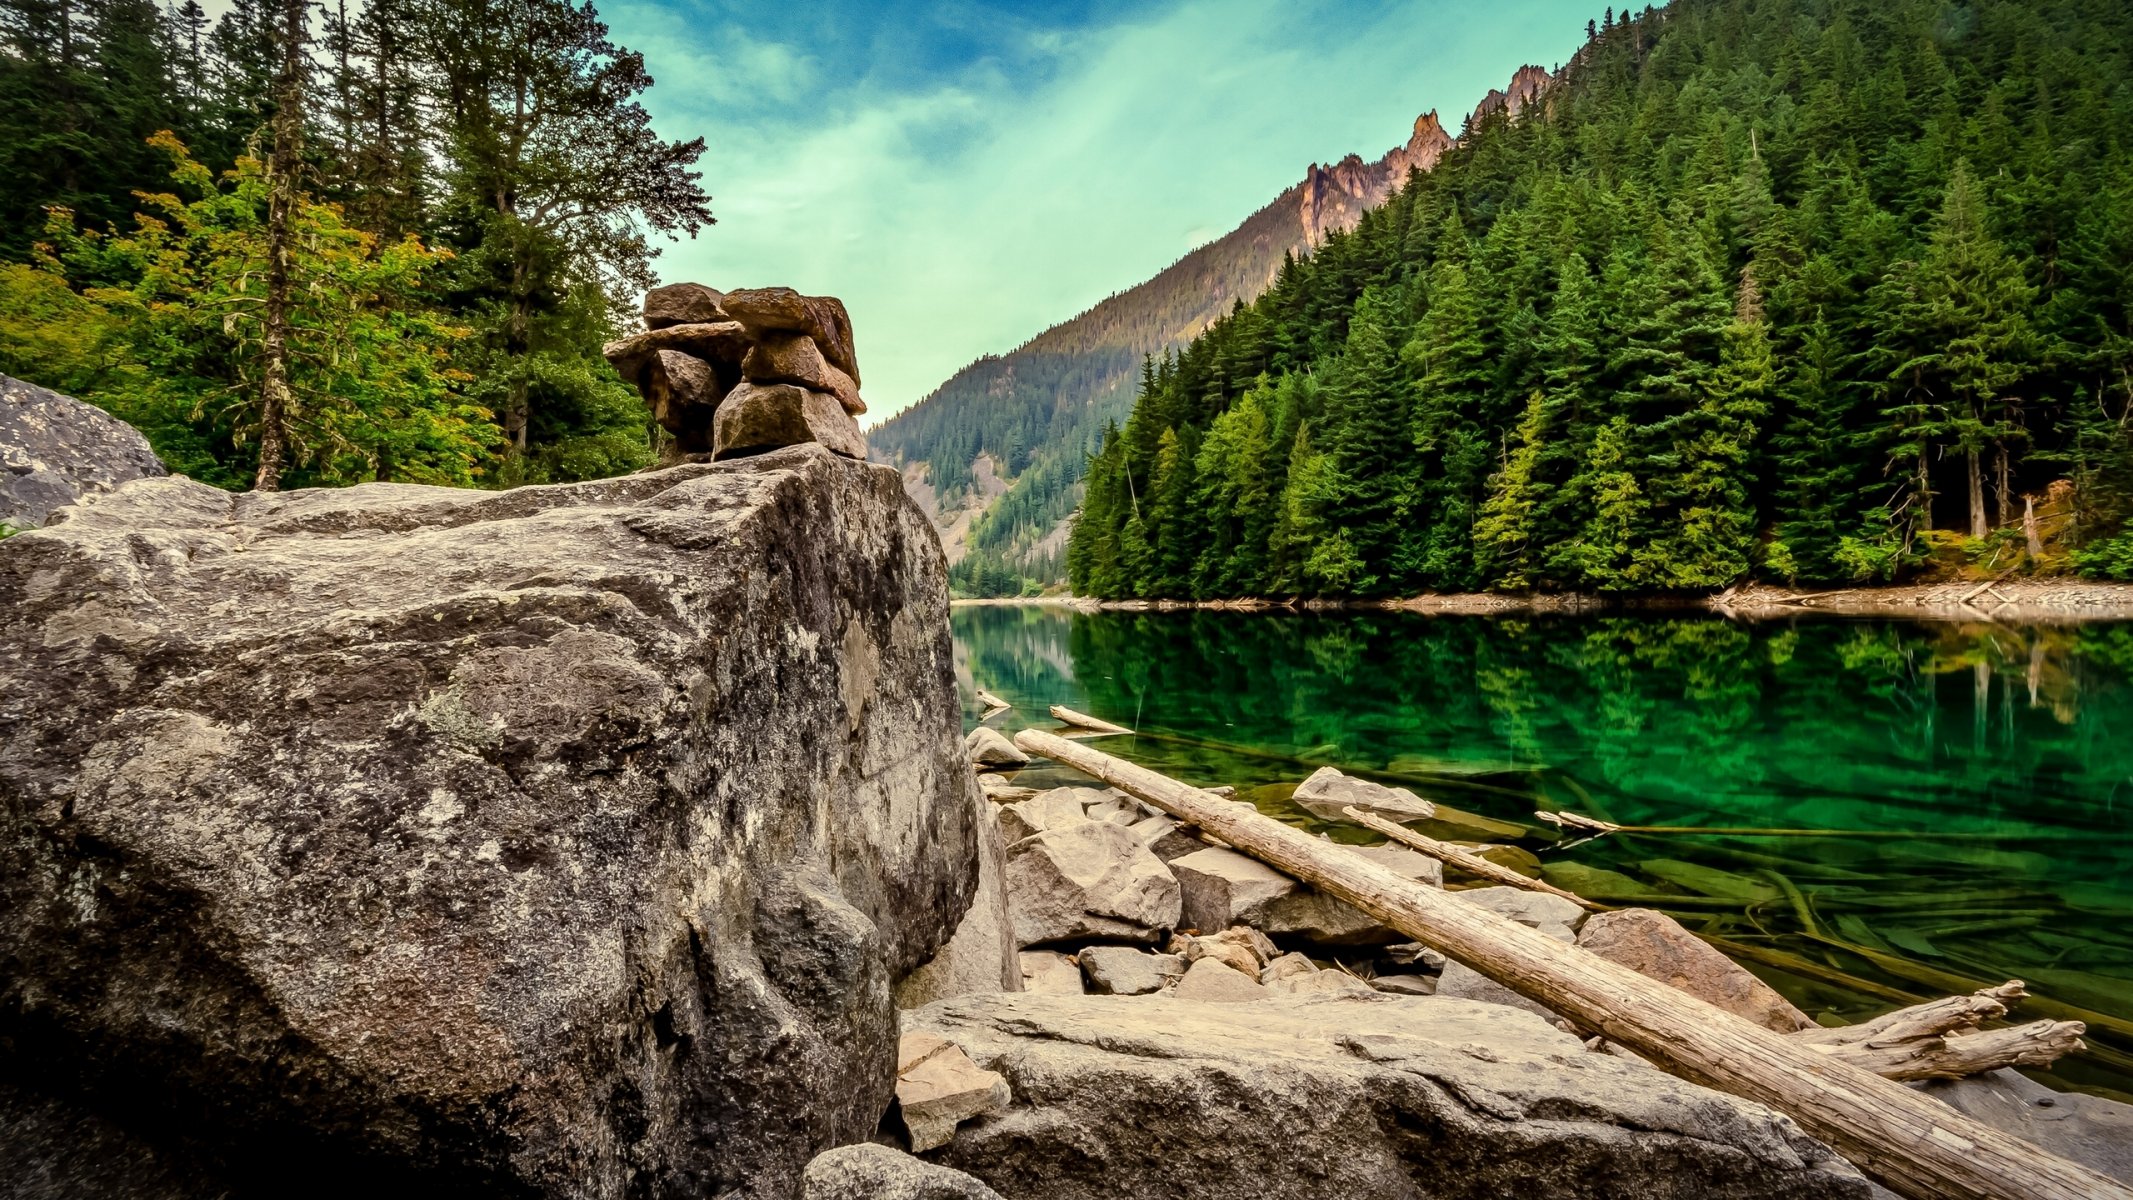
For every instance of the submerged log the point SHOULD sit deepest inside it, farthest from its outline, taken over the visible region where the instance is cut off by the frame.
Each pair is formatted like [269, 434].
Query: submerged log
[1067, 716]
[991, 702]
[1472, 864]
[1910, 1142]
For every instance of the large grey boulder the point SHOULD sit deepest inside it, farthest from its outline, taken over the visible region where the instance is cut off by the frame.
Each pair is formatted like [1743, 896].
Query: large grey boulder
[1327, 793]
[564, 841]
[1303, 1097]
[873, 1172]
[54, 450]
[1091, 880]
[2094, 1131]
[981, 956]
[1222, 888]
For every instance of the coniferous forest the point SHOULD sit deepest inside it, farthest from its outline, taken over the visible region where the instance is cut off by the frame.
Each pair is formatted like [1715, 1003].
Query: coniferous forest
[310, 243]
[1816, 291]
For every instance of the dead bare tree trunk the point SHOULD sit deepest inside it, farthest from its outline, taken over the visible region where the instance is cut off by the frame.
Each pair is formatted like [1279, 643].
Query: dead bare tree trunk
[1910, 1142]
[276, 403]
[2029, 528]
[1978, 527]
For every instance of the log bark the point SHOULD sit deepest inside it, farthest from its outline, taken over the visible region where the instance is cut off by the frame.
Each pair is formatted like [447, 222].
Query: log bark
[1941, 1039]
[1912, 1143]
[1067, 716]
[1472, 864]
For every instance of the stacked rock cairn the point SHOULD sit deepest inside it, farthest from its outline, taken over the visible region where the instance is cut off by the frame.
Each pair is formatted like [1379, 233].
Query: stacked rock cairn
[738, 373]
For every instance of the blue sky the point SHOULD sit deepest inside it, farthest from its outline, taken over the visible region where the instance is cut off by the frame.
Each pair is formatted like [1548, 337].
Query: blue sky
[965, 174]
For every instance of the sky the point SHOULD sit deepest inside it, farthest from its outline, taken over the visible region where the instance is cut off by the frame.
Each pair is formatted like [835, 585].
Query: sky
[965, 174]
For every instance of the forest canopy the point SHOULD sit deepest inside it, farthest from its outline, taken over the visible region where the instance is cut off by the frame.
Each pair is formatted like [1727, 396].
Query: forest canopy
[307, 244]
[1800, 290]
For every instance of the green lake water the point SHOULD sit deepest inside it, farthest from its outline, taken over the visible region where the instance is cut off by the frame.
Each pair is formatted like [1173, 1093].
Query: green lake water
[1979, 777]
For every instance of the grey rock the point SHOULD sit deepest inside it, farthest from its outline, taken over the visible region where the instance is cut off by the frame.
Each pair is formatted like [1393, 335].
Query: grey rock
[1414, 954]
[1655, 945]
[1328, 791]
[1053, 809]
[1166, 839]
[1213, 981]
[794, 358]
[1465, 983]
[683, 392]
[52, 1148]
[1306, 1097]
[768, 311]
[981, 956]
[56, 450]
[1323, 983]
[938, 1088]
[1221, 888]
[682, 304]
[1406, 863]
[1288, 966]
[1091, 880]
[988, 747]
[755, 418]
[869, 1171]
[1048, 971]
[2091, 1130]
[1404, 985]
[1552, 915]
[561, 841]
[1127, 970]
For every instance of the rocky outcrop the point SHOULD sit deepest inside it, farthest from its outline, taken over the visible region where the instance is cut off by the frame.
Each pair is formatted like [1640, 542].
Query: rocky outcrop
[1376, 1096]
[1089, 880]
[564, 841]
[738, 373]
[54, 450]
[1327, 793]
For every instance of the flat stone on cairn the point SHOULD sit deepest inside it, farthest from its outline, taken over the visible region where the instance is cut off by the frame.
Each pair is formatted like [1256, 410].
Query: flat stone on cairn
[733, 374]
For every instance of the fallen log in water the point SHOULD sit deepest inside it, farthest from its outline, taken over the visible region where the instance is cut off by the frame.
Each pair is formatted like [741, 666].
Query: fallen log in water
[1067, 716]
[1910, 1142]
[1472, 864]
[991, 702]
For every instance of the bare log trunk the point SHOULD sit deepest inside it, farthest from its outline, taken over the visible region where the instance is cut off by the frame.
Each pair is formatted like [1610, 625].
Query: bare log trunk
[1978, 527]
[1911, 1143]
[2029, 528]
[1067, 716]
[1472, 864]
[1941, 1040]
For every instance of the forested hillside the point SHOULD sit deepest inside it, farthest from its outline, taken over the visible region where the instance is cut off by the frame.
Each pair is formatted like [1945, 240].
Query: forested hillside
[1808, 290]
[304, 244]
[1040, 410]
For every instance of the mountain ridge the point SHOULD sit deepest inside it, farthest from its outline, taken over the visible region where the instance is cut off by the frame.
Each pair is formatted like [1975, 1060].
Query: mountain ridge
[1036, 411]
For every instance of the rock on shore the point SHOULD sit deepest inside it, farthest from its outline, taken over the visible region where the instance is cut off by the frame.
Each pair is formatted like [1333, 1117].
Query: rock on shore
[55, 449]
[564, 841]
[1302, 1098]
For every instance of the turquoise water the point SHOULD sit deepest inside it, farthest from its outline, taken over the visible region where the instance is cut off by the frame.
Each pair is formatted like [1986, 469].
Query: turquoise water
[1978, 778]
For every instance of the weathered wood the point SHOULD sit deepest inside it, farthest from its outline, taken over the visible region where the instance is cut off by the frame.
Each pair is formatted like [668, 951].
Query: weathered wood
[1941, 1039]
[1472, 864]
[992, 702]
[1910, 1142]
[1067, 716]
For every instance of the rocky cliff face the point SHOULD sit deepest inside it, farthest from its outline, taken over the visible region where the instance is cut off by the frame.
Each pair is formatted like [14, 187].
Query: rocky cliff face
[557, 842]
[1336, 197]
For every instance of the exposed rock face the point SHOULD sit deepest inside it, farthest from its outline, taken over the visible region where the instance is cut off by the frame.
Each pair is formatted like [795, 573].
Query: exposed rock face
[872, 1172]
[782, 310]
[938, 1088]
[563, 841]
[981, 956]
[1371, 1096]
[2091, 1130]
[55, 449]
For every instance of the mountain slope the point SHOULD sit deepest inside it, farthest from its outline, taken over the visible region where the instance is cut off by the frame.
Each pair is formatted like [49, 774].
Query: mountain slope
[1814, 291]
[1040, 410]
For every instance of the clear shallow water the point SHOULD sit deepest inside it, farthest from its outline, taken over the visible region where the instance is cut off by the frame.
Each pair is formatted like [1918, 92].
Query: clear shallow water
[1981, 776]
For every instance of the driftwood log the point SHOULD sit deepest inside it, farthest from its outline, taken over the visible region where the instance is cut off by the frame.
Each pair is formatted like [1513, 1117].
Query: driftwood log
[1941, 1039]
[1067, 716]
[991, 702]
[1911, 1143]
[1472, 864]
